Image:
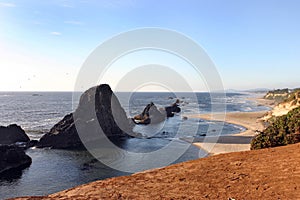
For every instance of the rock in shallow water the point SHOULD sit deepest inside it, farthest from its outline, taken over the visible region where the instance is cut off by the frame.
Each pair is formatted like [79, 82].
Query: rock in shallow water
[151, 114]
[13, 158]
[12, 134]
[99, 110]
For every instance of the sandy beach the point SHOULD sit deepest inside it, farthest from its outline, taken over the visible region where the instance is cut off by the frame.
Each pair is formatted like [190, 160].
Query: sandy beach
[237, 142]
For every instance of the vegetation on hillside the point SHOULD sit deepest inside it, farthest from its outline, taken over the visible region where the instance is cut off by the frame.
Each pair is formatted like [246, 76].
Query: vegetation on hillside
[282, 130]
[293, 97]
[278, 95]
[282, 95]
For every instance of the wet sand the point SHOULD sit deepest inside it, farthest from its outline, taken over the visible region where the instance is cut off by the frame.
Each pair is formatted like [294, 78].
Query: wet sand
[233, 143]
[252, 121]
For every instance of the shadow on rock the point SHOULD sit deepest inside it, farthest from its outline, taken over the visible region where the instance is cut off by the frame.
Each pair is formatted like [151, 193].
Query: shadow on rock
[12, 161]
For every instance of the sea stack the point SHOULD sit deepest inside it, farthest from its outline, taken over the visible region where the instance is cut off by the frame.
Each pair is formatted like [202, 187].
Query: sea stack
[98, 107]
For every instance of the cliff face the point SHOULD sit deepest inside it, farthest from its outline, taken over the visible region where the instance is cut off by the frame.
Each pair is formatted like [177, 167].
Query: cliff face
[277, 95]
[290, 102]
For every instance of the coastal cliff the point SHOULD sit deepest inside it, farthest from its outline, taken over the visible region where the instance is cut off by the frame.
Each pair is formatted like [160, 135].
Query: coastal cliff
[289, 100]
[277, 95]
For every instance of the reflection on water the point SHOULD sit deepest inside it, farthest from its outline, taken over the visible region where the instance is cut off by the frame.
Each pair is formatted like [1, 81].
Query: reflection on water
[55, 170]
[11, 175]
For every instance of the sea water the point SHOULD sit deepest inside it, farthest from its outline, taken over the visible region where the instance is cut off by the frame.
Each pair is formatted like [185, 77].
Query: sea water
[55, 170]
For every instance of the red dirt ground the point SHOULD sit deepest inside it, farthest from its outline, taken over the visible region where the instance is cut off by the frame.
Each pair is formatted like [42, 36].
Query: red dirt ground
[261, 174]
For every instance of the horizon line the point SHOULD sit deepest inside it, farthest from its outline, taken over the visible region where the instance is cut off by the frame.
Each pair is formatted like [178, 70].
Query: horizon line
[225, 90]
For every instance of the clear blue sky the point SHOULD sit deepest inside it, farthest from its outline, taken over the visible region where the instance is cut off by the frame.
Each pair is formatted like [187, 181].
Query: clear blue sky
[254, 43]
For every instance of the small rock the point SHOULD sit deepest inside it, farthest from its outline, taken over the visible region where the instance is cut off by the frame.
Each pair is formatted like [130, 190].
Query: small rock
[13, 158]
[12, 134]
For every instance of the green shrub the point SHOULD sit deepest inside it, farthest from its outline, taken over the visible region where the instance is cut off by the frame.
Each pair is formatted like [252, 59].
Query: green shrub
[282, 130]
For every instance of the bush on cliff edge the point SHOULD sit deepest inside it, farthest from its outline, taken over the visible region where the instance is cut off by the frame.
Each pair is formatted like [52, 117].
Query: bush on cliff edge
[282, 130]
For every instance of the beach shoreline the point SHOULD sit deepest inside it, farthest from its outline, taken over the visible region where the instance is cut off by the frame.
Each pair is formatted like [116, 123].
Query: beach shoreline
[251, 121]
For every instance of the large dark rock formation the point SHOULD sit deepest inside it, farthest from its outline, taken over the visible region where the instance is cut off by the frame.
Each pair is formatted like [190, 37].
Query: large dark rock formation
[12, 134]
[13, 158]
[62, 135]
[99, 110]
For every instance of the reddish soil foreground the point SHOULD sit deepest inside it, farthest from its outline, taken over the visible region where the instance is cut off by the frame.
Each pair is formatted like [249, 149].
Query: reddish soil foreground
[261, 174]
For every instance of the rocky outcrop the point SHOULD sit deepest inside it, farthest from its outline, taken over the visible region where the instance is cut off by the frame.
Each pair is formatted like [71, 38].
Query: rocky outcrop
[13, 158]
[98, 110]
[12, 134]
[62, 135]
[174, 108]
[151, 114]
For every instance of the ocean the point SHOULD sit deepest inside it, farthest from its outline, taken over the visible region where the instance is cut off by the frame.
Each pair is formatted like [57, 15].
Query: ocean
[55, 170]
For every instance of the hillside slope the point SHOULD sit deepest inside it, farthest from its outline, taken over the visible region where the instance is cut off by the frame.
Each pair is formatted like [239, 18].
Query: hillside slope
[261, 174]
[282, 130]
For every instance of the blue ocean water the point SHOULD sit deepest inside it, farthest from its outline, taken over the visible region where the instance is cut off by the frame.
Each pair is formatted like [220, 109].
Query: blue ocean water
[56, 170]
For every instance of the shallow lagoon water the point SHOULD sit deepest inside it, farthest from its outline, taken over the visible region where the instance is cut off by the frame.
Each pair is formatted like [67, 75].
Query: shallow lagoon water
[55, 170]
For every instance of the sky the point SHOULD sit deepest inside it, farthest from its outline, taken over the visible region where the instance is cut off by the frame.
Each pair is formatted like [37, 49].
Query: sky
[254, 44]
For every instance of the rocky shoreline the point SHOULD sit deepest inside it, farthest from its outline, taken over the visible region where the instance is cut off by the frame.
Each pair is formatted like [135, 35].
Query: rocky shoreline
[226, 176]
[98, 110]
[237, 175]
[99, 115]
[13, 142]
[13, 159]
